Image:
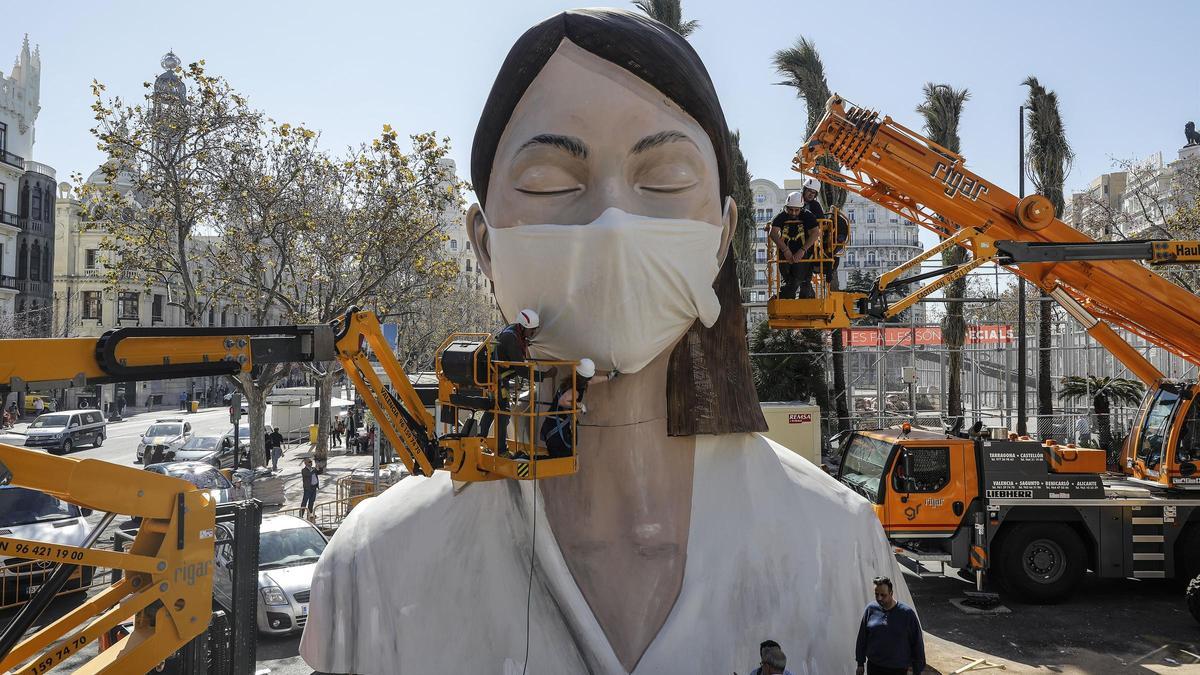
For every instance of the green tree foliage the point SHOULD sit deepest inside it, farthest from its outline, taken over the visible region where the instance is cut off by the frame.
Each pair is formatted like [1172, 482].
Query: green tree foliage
[265, 196]
[743, 238]
[1050, 158]
[1102, 393]
[669, 12]
[788, 365]
[802, 69]
[166, 155]
[375, 239]
[942, 110]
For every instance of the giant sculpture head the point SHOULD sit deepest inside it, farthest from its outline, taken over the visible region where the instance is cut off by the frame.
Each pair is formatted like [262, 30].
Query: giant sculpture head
[602, 166]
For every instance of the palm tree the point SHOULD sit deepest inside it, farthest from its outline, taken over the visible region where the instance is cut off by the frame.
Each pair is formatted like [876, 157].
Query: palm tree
[670, 13]
[801, 68]
[1050, 159]
[743, 236]
[1104, 392]
[942, 110]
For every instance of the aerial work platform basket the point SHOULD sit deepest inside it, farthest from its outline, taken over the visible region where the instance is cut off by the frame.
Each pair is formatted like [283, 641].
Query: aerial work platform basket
[826, 309]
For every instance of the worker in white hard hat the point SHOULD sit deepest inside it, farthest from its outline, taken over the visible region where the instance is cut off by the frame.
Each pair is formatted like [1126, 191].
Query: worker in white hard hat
[557, 431]
[795, 231]
[510, 343]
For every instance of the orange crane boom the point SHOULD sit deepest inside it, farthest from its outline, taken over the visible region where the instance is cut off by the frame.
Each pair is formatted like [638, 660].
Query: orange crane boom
[918, 179]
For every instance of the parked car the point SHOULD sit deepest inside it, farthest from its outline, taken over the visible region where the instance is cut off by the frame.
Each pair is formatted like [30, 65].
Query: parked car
[48, 403]
[202, 475]
[214, 450]
[288, 550]
[66, 430]
[10, 437]
[169, 432]
[33, 515]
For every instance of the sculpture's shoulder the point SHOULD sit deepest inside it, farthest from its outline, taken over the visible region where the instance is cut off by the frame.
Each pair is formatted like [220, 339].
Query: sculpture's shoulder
[798, 478]
[404, 567]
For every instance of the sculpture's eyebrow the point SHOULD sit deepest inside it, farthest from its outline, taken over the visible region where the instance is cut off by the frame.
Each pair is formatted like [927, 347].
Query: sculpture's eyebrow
[571, 144]
[655, 140]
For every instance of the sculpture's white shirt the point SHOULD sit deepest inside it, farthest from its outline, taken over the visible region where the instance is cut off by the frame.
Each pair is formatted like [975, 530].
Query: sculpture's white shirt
[422, 580]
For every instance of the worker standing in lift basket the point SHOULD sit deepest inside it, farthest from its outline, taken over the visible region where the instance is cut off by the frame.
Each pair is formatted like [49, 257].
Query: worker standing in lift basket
[510, 344]
[557, 431]
[795, 231]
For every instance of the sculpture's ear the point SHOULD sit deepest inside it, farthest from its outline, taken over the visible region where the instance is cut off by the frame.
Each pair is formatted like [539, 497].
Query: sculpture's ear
[729, 227]
[477, 233]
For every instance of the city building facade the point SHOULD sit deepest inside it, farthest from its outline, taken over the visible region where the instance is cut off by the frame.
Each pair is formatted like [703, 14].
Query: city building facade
[1139, 201]
[879, 240]
[27, 204]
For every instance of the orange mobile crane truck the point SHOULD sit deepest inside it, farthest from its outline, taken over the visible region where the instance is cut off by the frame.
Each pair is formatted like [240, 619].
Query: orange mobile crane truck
[1034, 514]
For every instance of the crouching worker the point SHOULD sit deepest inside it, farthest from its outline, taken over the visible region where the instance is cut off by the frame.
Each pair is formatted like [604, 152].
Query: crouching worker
[557, 431]
[795, 231]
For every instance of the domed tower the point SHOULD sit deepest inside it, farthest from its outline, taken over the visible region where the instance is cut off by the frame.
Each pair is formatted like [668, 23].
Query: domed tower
[168, 84]
[169, 96]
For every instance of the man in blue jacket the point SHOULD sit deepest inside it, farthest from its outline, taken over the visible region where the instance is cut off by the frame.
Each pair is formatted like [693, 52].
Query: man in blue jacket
[889, 638]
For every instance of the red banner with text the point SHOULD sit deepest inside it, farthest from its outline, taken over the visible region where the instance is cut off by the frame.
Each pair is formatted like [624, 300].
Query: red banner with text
[893, 336]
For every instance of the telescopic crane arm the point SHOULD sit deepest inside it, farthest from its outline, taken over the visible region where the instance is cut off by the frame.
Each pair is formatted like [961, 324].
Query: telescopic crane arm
[1097, 282]
[168, 585]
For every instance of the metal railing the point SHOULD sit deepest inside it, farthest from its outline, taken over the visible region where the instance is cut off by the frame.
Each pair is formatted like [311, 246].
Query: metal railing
[38, 167]
[350, 492]
[8, 282]
[9, 218]
[20, 580]
[12, 160]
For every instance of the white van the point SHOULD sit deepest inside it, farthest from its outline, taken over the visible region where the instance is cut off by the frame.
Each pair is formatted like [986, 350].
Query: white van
[61, 432]
[32, 515]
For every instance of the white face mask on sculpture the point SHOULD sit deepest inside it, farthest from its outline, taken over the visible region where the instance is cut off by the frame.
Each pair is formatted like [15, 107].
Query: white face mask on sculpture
[619, 290]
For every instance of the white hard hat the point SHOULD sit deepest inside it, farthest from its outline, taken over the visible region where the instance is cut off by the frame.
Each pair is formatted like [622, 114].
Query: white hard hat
[528, 318]
[795, 200]
[586, 368]
[811, 183]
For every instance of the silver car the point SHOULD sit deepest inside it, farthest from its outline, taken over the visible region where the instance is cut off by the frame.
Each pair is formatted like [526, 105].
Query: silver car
[288, 550]
[214, 450]
[33, 515]
[169, 433]
[202, 475]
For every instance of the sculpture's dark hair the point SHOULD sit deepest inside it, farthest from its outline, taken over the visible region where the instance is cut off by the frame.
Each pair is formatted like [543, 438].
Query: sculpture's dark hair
[710, 388]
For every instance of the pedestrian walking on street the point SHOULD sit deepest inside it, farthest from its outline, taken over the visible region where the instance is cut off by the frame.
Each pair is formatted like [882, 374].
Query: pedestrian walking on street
[773, 660]
[38, 406]
[335, 432]
[1083, 431]
[183, 400]
[340, 432]
[310, 476]
[889, 638]
[275, 443]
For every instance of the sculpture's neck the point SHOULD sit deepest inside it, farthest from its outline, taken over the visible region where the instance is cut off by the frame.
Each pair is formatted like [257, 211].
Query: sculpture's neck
[622, 522]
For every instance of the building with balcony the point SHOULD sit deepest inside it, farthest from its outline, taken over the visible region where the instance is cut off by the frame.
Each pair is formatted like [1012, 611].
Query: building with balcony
[458, 247]
[88, 301]
[27, 194]
[879, 239]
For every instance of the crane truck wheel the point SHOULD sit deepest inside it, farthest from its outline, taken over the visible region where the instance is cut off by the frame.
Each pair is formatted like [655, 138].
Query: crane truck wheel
[1041, 563]
[1187, 555]
[1193, 598]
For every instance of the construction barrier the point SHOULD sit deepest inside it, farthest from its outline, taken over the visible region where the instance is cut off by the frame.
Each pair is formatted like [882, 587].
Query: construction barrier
[350, 491]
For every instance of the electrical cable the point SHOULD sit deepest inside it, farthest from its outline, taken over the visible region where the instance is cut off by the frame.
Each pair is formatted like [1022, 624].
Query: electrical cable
[532, 553]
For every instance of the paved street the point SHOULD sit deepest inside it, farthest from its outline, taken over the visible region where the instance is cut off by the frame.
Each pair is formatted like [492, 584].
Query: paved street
[121, 445]
[278, 654]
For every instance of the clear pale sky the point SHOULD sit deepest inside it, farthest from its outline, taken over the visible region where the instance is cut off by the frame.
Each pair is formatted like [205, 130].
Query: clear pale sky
[1128, 74]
